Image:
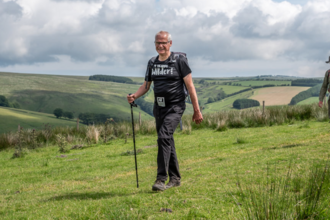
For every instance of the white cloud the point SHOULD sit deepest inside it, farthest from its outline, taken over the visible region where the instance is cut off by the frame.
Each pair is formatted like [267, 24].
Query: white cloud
[118, 35]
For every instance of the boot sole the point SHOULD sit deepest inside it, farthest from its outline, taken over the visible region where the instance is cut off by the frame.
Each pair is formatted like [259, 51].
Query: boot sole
[157, 189]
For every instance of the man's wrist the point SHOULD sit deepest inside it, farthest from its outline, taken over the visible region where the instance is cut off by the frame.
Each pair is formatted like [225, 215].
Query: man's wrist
[196, 111]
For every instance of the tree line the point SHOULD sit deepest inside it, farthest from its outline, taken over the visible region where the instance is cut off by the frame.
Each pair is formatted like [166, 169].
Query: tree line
[306, 82]
[312, 92]
[245, 103]
[119, 79]
[59, 113]
[5, 103]
[95, 118]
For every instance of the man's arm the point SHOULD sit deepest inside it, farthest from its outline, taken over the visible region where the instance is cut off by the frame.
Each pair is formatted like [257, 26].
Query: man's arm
[323, 90]
[197, 117]
[140, 92]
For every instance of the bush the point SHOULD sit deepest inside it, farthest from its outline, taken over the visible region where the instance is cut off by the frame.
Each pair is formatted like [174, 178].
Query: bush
[245, 103]
[68, 115]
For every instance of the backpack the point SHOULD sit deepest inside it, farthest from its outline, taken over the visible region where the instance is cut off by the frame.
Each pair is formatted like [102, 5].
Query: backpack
[173, 59]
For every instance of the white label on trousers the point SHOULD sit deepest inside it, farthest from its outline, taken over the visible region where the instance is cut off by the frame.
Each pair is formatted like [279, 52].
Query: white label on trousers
[161, 101]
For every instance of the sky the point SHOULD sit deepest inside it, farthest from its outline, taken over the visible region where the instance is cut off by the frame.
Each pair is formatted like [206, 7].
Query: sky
[116, 37]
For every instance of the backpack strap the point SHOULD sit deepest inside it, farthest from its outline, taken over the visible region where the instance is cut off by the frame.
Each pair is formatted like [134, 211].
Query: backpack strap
[175, 58]
[150, 66]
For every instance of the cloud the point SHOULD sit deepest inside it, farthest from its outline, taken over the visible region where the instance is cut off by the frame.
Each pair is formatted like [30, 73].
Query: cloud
[119, 34]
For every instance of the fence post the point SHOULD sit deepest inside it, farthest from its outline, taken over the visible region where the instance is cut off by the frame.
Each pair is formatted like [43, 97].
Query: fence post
[140, 119]
[181, 124]
[77, 124]
[19, 128]
[263, 107]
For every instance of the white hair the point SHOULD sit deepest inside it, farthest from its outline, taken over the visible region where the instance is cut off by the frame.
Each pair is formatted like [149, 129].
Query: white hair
[169, 36]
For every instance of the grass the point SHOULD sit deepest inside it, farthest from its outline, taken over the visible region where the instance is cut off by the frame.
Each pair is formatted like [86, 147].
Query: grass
[226, 103]
[10, 119]
[310, 100]
[44, 93]
[98, 183]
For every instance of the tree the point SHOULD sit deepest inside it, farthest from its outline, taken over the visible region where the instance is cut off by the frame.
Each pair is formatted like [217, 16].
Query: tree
[4, 101]
[68, 115]
[210, 100]
[58, 112]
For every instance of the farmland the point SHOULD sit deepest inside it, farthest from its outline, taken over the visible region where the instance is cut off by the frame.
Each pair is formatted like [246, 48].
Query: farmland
[277, 95]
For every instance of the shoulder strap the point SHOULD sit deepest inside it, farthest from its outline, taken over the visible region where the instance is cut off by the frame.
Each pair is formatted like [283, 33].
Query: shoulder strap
[150, 66]
[176, 57]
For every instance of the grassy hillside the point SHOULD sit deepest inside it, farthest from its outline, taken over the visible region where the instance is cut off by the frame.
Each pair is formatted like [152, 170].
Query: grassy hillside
[225, 104]
[99, 183]
[309, 101]
[11, 118]
[44, 93]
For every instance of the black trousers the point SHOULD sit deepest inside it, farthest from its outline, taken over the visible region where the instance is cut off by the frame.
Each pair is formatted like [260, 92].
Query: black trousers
[167, 119]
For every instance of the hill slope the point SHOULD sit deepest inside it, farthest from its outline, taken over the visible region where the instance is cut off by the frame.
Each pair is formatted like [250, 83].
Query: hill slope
[10, 119]
[44, 93]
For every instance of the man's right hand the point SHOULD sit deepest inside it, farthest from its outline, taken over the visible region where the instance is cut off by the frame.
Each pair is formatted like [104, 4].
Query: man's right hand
[131, 98]
[320, 104]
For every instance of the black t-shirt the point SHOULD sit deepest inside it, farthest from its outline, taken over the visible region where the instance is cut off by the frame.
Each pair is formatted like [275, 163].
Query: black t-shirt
[168, 83]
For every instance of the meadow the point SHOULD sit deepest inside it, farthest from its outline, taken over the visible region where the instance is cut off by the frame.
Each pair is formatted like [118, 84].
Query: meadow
[98, 181]
[310, 100]
[10, 119]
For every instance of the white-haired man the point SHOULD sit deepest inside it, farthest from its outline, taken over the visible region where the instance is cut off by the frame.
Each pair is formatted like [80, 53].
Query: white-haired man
[171, 75]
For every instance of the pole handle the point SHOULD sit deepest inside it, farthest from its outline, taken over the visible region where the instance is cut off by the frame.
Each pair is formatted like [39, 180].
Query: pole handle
[132, 103]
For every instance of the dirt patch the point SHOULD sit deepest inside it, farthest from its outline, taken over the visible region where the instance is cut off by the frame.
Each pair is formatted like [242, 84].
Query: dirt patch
[279, 95]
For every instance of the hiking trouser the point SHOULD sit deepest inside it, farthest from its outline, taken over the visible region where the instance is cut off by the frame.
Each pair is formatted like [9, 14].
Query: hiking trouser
[167, 119]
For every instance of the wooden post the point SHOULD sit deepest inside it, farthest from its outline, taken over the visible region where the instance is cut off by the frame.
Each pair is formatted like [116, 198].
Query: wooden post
[77, 124]
[325, 100]
[140, 119]
[263, 107]
[181, 124]
[19, 128]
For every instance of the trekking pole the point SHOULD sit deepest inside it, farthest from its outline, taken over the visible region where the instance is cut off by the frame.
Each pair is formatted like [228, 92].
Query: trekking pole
[136, 169]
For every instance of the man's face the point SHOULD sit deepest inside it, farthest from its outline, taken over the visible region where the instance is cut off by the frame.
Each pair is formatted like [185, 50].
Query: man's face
[162, 44]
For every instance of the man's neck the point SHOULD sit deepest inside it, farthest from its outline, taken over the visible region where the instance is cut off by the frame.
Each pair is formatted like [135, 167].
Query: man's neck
[165, 56]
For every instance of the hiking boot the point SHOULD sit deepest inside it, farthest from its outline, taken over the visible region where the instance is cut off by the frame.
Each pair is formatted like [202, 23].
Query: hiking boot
[159, 186]
[173, 183]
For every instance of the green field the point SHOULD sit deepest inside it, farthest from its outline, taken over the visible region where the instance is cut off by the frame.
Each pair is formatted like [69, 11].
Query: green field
[261, 83]
[226, 103]
[99, 183]
[309, 101]
[44, 93]
[10, 119]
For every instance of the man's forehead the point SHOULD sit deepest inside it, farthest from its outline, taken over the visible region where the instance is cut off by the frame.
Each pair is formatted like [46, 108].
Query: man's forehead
[161, 36]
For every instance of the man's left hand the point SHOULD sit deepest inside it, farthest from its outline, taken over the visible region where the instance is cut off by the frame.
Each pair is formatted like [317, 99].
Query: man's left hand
[197, 117]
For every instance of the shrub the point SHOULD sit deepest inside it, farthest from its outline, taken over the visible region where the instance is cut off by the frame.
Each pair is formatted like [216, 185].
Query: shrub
[245, 103]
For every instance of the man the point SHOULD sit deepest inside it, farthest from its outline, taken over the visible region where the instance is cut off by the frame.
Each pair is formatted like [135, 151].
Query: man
[324, 88]
[169, 71]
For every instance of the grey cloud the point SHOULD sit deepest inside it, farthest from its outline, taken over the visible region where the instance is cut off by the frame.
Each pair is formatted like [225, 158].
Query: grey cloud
[96, 1]
[198, 36]
[10, 8]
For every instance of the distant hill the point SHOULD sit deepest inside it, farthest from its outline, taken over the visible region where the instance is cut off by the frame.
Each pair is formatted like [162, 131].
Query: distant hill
[77, 94]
